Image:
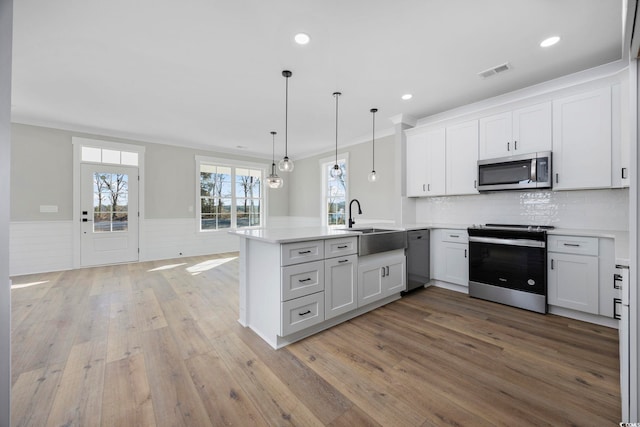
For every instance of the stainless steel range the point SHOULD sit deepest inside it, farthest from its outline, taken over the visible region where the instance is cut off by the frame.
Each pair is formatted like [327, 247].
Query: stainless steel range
[508, 264]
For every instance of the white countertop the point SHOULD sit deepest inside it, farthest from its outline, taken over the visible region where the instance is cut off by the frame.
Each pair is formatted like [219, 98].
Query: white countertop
[297, 234]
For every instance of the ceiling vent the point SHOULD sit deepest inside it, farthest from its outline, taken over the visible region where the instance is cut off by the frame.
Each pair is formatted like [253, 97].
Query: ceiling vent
[494, 70]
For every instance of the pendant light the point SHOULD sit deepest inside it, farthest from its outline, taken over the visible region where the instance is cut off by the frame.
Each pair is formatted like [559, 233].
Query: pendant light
[273, 180]
[336, 171]
[372, 176]
[286, 165]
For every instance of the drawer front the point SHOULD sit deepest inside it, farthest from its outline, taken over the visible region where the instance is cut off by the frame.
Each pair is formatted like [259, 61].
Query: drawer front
[573, 245]
[456, 236]
[299, 252]
[302, 279]
[339, 247]
[300, 313]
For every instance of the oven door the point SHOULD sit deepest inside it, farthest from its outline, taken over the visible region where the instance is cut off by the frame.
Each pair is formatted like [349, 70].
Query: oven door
[518, 264]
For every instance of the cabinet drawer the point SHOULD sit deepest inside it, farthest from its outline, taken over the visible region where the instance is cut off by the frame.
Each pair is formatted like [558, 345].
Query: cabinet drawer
[300, 313]
[339, 247]
[302, 279]
[299, 252]
[573, 245]
[456, 236]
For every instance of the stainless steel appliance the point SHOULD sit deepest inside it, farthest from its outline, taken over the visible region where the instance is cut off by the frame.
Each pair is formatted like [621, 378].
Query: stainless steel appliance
[520, 172]
[508, 264]
[418, 271]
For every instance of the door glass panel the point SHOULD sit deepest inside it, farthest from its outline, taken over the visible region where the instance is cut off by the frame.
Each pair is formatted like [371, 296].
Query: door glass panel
[110, 202]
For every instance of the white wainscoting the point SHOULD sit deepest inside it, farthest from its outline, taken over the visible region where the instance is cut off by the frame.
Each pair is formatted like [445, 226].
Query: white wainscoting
[40, 246]
[175, 238]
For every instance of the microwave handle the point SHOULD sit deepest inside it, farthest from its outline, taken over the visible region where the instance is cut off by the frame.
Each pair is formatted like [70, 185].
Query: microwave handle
[534, 170]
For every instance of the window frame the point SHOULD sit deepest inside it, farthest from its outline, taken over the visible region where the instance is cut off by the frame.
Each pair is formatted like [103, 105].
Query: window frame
[323, 186]
[233, 165]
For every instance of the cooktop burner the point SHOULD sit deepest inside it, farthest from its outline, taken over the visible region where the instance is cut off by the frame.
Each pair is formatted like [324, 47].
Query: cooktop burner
[520, 227]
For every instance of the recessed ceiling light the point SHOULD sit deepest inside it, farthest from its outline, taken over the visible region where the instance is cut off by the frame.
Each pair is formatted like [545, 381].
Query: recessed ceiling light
[550, 41]
[302, 38]
[407, 96]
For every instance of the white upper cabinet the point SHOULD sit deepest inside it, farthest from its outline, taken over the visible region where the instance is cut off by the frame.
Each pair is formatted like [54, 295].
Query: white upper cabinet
[582, 140]
[462, 158]
[521, 131]
[426, 163]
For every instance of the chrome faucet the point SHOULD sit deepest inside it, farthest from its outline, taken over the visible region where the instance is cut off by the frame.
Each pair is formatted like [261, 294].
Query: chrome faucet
[351, 221]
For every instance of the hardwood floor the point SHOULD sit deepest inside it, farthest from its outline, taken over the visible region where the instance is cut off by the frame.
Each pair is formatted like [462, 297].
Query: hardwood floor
[158, 344]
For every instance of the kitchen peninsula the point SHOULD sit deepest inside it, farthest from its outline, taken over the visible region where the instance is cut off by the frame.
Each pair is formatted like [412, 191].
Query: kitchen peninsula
[295, 282]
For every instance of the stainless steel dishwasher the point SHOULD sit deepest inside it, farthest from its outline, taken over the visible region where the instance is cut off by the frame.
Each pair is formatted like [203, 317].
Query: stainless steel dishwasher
[417, 252]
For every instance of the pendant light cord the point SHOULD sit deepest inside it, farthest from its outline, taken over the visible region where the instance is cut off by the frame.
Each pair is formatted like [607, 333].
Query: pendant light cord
[373, 141]
[286, 116]
[337, 94]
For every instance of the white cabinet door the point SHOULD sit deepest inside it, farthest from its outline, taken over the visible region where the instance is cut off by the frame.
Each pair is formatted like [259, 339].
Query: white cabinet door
[417, 154]
[582, 140]
[340, 285]
[456, 263]
[573, 281]
[394, 279]
[462, 158]
[495, 136]
[380, 276]
[532, 129]
[425, 163]
[369, 283]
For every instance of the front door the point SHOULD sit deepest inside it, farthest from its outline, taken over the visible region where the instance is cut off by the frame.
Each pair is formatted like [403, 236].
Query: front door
[109, 217]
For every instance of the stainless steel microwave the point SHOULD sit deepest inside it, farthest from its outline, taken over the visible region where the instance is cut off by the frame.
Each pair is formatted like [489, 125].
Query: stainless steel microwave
[520, 172]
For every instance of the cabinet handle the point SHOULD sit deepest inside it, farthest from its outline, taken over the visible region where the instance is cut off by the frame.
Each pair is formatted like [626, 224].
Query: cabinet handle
[624, 173]
[616, 315]
[304, 280]
[508, 149]
[305, 313]
[557, 180]
[475, 183]
[428, 187]
[617, 278]
[454, 236]
[423, 189]
[383, 272]
[552, 264]
[303, 252]
[575, 245]
[343, 247]
[343, 260]
[515, 145]
[465, 253]
[387, 270]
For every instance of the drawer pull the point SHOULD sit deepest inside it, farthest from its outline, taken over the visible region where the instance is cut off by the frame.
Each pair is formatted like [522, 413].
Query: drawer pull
[343, 260]
[305, 313]
[575, 245]
[303, 252]
[617, 278]
[343, 247]
[304, 280]
[616, 303]
[455, 236]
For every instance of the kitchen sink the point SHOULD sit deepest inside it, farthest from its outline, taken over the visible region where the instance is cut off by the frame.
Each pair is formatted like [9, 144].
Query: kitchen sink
[376, 240]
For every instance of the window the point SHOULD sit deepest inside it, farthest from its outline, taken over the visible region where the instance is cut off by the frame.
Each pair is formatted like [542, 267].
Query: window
[104, 155]
[231, 196]
[334, 192]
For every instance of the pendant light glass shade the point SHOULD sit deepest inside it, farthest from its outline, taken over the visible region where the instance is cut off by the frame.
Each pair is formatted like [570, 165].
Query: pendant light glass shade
[372, 175]
[273, 180]
[286, 164]
[336, 172]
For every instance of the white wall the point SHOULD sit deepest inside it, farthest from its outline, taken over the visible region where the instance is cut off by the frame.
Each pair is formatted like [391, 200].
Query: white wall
[6, 25]
[587, 209]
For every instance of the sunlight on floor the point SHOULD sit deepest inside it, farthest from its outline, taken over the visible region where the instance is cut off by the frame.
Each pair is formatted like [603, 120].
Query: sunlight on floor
[208, 265]
[26, 285]
[167, 267]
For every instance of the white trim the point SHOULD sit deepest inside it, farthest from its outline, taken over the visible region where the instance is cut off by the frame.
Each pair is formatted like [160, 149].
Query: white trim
[78, 143]
[219, 161]
[323, 180]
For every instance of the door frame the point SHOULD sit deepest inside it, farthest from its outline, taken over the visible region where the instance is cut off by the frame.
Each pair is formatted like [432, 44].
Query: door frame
[78, 143]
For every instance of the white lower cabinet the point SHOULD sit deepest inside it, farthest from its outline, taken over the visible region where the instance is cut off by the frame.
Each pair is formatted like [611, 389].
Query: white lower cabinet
[380, 275]
[340, 287]
[573, 281]
[300, 313]
[450, 256]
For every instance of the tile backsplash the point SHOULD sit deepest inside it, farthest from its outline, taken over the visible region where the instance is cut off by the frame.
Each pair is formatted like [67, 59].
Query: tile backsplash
[585, 209]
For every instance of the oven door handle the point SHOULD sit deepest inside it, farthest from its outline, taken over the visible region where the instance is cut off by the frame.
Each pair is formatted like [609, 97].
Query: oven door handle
[508, 242]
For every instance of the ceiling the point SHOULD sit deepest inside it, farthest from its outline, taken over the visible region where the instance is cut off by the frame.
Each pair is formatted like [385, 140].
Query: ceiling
[208, 73]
